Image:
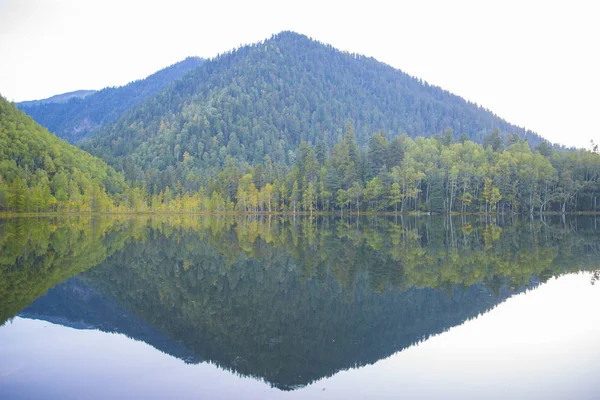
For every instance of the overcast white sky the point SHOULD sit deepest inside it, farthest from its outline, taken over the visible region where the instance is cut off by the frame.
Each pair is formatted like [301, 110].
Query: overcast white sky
[536, 64]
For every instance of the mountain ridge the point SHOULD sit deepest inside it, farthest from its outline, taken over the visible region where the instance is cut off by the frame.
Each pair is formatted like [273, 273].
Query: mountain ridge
[81, 117]
[58, 98]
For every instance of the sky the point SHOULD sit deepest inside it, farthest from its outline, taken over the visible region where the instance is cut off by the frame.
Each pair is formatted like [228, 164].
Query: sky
[533, 63]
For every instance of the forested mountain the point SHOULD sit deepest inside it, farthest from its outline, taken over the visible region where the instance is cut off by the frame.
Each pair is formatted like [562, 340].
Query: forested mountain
[264, 99]
[40, 172]
[79, 116]
[290, 124]
[59, 98]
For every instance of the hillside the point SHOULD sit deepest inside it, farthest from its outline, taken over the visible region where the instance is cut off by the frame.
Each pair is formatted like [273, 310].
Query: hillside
[72, 116]
[265, 98]
[40, 172]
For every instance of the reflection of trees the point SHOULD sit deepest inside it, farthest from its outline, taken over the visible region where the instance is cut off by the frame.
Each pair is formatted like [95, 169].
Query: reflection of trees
[268, 296]
[595, 276]
[426, 252]
[38, 253]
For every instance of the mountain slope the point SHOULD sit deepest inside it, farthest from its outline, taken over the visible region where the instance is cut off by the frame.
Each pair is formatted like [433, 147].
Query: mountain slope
[266, 98]
[40, 172]
[81, 117]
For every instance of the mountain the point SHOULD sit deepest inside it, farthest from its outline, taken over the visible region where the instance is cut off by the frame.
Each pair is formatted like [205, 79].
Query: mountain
[266, 98]
[76, 115]
[40, 172]
[290, 124]
[59, 98]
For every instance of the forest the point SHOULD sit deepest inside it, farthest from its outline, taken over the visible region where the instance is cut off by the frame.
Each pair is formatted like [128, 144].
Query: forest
[432, 175]
[40, 172]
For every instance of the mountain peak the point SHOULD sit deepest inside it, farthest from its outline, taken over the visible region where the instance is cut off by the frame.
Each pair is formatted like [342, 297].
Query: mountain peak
[287, 35]
[291, 38]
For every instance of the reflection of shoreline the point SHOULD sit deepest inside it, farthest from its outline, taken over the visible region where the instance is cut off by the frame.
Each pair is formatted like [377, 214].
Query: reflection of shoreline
[413, 245]
[6, 215]
[39, 253]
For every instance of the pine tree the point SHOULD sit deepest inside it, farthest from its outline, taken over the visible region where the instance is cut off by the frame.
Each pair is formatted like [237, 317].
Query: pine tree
[18, 196]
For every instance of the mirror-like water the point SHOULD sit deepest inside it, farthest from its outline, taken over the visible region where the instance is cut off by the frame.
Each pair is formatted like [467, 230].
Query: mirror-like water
[270, 307]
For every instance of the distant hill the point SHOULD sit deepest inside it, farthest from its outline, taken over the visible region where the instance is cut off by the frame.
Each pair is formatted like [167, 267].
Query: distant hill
[77, 115]
[265, 98]
[59, 98]
[40, 172]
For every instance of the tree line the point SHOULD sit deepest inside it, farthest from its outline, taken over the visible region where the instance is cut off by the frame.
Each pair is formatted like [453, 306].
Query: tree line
[435, 175]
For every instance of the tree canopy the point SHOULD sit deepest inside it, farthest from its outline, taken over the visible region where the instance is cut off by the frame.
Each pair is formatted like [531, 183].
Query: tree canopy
[40, 172]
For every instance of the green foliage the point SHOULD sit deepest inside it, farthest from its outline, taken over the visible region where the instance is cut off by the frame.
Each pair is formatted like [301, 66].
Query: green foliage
[493, 140]
[39, 172]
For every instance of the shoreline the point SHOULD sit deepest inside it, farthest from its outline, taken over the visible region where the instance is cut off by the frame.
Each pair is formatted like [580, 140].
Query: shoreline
[285, 213]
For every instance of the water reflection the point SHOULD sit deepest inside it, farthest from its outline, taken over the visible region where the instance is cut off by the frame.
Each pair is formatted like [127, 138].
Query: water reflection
[286, 300]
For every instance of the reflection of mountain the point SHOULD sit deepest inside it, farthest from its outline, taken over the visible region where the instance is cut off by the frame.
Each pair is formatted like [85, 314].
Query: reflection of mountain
[38, 253]
[284, 311]
[270, 324]
[76, 304]
[294, 302]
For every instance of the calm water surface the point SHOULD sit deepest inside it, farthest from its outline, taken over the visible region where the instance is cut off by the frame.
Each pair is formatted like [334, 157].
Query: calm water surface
[259, 307]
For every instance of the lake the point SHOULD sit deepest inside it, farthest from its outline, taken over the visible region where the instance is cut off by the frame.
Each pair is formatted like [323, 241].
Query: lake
[269, 307]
